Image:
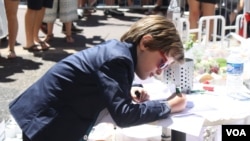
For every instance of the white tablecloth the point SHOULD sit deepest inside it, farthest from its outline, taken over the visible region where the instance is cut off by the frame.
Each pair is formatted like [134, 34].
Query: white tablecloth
[209, 109]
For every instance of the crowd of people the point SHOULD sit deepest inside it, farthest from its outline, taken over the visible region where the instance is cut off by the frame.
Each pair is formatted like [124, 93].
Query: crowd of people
[38, 12]
[42, 15]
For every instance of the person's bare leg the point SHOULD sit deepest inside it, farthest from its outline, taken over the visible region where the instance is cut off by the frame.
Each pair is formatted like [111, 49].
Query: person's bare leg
[50, 35]
[11, 8]
[194, 15]
[109, 2]
[130, 2]
[69, 38]
[81, 3]
[208, 9]
[37, 24]
[29, 26]
[92, 2]
[158, 2]
[50, 28]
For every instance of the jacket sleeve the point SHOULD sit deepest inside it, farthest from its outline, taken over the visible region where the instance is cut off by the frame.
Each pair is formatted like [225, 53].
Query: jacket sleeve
[116, 85]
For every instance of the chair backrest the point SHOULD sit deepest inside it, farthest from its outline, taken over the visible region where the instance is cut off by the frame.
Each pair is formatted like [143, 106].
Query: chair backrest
[204, 26]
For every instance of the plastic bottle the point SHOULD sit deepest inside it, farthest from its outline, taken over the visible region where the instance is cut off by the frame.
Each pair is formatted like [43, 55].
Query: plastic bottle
[235, 67]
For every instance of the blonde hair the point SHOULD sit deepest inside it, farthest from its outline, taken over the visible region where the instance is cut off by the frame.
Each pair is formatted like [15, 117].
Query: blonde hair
[165, 36]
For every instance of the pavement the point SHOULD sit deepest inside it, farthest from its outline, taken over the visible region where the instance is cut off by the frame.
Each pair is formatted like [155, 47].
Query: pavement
[18, 74]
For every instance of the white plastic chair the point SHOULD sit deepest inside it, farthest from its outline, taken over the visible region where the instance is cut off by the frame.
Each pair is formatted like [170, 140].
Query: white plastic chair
[203, 28]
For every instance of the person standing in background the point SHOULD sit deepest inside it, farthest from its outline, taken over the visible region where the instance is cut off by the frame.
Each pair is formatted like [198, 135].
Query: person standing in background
[74, 28]
[236, 11]
[158, 4]
[82, 11]
[11, 7]
[33, 20]
[3, 25]
[66, 10]
[198, 8]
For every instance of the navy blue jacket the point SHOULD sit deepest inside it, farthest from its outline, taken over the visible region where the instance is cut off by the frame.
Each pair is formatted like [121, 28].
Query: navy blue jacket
[64, 103]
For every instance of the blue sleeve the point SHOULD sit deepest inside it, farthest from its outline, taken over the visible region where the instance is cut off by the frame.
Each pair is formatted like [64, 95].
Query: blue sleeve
[116, 85]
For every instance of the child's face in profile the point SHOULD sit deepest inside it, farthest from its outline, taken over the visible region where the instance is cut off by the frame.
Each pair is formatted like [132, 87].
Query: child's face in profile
[151, 63]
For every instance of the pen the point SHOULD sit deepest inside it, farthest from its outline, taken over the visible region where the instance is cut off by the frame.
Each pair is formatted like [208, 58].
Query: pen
[177, 90]
[197, 91]
[138, 94]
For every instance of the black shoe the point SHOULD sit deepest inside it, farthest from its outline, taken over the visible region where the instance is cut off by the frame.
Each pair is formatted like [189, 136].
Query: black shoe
[113, 12]
[74, 29]
[4, 39]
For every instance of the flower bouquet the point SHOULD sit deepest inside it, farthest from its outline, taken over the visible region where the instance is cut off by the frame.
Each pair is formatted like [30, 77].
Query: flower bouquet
[209, 60]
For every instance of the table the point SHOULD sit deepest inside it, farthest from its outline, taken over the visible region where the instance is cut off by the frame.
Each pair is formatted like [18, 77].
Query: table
[210, 109]
[215, 116]
[214, 108]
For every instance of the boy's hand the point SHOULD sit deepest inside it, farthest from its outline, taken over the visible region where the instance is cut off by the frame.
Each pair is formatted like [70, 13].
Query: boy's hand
[139, 94]
[177, 102]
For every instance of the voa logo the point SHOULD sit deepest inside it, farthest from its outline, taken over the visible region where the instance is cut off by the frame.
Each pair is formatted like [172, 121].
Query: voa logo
[236, 132]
